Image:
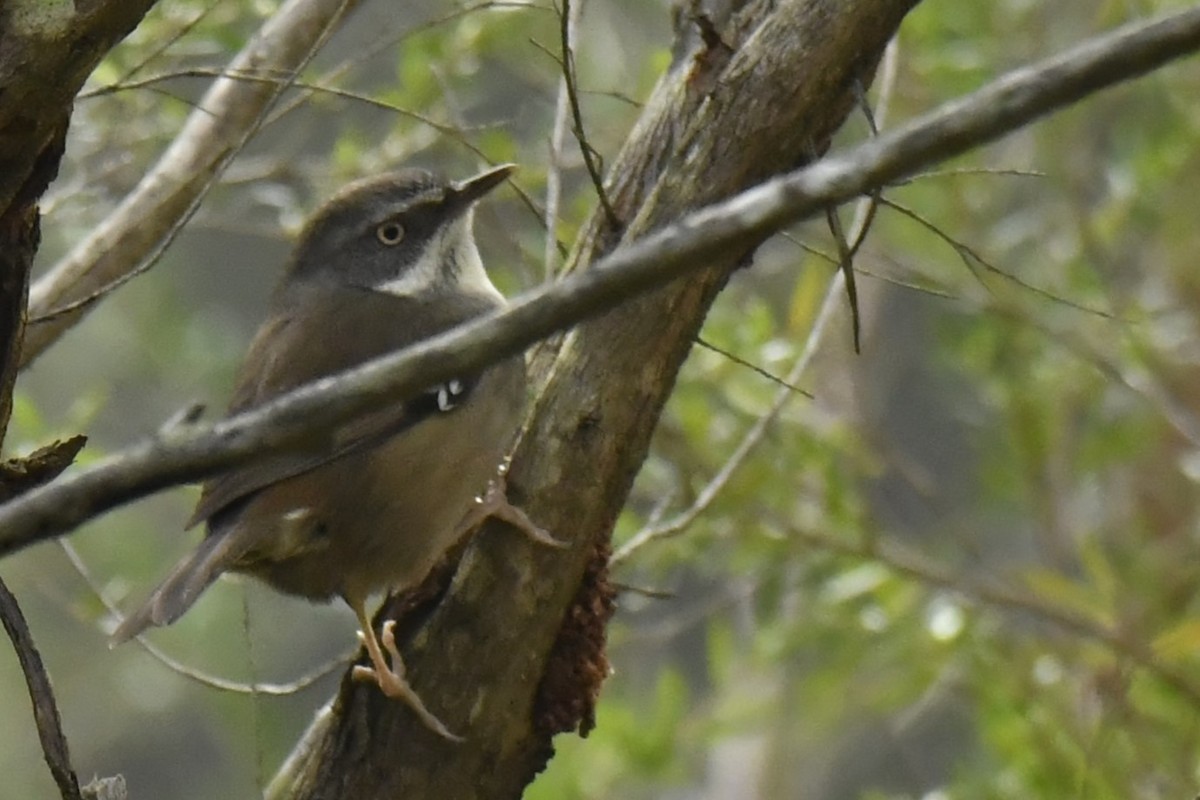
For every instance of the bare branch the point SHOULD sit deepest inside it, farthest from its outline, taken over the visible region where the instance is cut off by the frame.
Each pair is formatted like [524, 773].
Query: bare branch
[137, 232]
[170, 41]
[568, 19]
[846, 270]
[970, 257]
[682, 521]
[557, 134]
[755, 368]
[45, 710]
[281, 82]
[191, 453]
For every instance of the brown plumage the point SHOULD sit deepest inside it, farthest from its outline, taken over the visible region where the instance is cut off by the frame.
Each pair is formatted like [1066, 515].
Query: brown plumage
[376, 504]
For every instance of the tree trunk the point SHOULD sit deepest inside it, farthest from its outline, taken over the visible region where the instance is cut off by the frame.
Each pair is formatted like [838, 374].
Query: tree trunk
[47, 50]
[514, 651]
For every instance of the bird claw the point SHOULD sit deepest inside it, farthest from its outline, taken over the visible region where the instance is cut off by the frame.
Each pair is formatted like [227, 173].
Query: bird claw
[494, 503]
[535, 533]
[391, 680]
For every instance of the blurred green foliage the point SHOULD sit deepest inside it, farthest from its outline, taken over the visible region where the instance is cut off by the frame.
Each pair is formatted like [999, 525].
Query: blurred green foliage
[825, 627]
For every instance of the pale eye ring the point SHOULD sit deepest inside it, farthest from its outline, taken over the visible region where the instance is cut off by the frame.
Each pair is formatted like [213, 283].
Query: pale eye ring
[390, 233]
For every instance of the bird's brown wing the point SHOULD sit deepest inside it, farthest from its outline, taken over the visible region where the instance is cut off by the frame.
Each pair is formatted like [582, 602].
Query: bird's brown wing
[316, 335]
[310, 335]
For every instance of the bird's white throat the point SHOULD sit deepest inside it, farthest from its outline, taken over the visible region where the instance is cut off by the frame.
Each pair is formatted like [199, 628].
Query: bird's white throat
[454, 243]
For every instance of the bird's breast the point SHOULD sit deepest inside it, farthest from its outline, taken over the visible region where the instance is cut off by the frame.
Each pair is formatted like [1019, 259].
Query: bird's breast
[382, 517]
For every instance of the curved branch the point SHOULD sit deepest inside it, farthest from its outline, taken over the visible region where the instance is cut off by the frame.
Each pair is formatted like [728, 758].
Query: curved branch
[146, 221]
[45, 709]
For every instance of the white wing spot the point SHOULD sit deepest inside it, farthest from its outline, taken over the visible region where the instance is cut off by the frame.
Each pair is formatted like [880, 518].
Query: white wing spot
[448, 393]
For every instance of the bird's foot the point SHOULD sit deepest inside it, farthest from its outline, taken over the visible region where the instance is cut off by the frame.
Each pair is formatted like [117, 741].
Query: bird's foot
[494, 503]
[391, 680]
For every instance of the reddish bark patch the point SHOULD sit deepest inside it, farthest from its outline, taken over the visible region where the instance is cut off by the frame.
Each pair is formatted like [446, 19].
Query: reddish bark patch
[567, 697]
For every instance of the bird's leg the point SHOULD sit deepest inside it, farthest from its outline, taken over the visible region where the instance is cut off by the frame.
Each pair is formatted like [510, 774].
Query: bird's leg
[494, 503]
[390, 678]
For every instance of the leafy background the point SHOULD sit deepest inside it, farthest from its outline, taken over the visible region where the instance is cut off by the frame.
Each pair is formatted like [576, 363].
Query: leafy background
[961, 569]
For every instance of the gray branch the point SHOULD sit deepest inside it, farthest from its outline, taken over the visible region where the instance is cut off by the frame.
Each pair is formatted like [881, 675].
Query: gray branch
[146, 221]
[41, 694]
[191, 452]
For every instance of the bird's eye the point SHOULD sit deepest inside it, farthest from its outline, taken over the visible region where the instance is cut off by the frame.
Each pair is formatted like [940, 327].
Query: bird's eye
[390, 233]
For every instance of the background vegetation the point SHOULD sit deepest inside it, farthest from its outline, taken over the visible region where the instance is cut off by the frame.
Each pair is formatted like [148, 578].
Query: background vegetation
[964, 568]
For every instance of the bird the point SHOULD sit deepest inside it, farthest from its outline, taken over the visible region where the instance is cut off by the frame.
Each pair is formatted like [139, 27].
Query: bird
[388, 261]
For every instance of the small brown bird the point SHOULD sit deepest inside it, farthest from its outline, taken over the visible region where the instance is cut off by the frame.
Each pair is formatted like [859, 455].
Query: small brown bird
[387, 262]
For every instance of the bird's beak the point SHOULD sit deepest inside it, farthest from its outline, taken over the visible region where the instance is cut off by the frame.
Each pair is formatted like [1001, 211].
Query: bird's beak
[462, 194]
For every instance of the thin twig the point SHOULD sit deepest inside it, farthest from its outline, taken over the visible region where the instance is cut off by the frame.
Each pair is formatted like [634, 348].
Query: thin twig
[45, 710]
[388, 42]
[191, 673]
[643, 591]
[1175, 411]
[282, 82]
[960, 172]
[750, 365]
[970, 257]
[682, 521]
[169, 41]
[679, 523]
[866, 212]
[997, 594]
[287, 80]
[615, 95]
[888, 73]
[554, 166]
[846, 268]
[932, 291]
[585, 147]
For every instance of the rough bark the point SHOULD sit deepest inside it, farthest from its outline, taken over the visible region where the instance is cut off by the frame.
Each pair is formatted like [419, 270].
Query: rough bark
[47, 50]
[513, 652]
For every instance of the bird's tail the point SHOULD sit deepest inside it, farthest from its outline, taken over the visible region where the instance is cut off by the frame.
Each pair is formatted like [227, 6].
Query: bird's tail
[180, 589]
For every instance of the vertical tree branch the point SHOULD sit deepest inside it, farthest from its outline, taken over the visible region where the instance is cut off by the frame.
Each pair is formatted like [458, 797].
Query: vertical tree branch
[45, 710]
[46, 53]
[568, 18]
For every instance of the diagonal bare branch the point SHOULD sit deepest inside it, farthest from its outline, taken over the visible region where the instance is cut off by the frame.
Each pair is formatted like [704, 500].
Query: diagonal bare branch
[189, 453]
